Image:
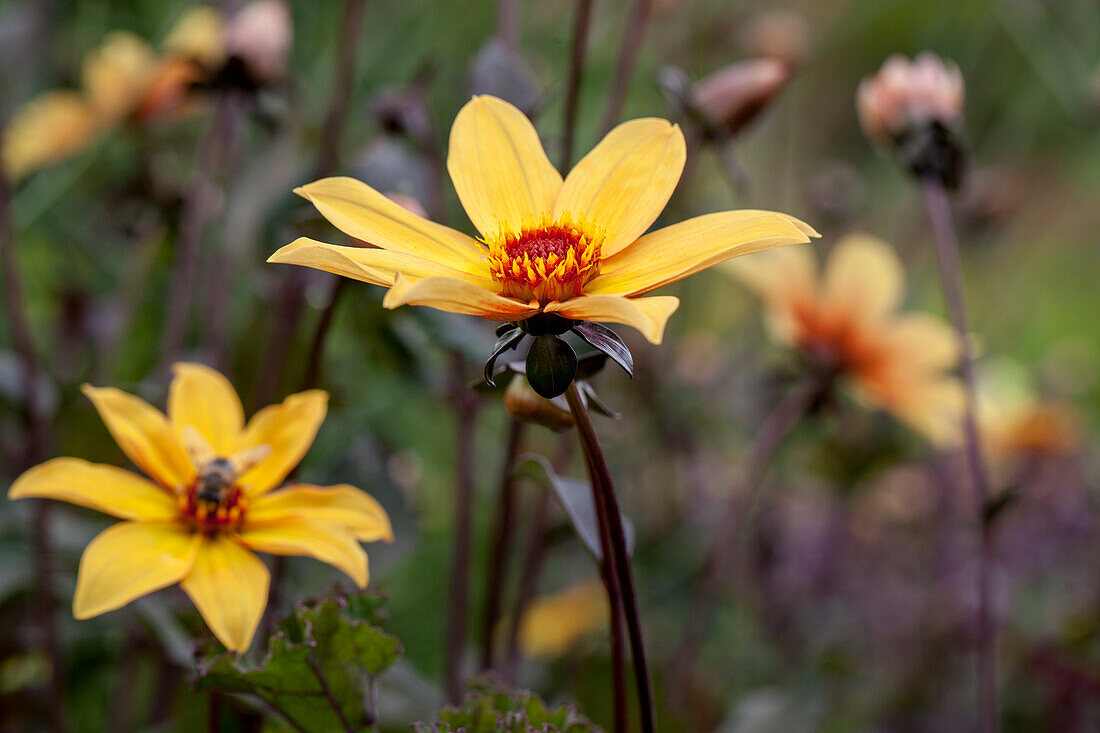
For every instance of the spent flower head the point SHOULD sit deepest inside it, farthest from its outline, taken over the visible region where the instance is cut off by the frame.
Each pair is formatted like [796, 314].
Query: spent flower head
[208, 502]
[848, 321]
[914, 109]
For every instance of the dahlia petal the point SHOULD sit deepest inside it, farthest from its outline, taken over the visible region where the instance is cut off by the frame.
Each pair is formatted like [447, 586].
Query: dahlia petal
[204, 399]
[342, 505]
[499, 167]
[144, 435]
[289, 428]
[375, 266]
[106, 489]
[863, 277]
[456, 296]
[129, 560]
[624, 183]
[682, 249]
[647, 315]
[228, 584]
[329, 543]
[359, 211]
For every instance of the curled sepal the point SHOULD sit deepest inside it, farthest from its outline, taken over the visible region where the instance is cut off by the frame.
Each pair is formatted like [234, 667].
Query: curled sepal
[607, 341]
[507, 339]
[551, 366]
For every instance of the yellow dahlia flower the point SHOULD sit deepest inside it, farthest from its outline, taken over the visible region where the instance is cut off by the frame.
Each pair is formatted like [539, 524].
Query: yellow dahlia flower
[555, 623]
[209, 504]
[849, 321]
[575, 247]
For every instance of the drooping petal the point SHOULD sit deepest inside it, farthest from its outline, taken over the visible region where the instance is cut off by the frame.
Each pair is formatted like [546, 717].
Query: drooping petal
[144, 435]
[228, 585]
[106, 489]
[342, 505]
[204, 399]
[359, 211]
[329, 543]
[456, 296]
[289, 428]
[129, 560]
[672, 253]
[499, 168]
[863, 277]
[375, 266]
[648, 315]
[625, 182]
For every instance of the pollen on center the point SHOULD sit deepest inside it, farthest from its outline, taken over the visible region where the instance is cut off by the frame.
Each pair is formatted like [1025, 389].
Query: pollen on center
[547, 261]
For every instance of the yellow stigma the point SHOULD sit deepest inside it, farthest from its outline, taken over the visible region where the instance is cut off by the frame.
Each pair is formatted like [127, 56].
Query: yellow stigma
[550, 260]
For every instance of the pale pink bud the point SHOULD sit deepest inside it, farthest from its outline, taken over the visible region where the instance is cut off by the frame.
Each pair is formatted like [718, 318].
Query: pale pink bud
[734, 95]
[907, 94]
[260, 35]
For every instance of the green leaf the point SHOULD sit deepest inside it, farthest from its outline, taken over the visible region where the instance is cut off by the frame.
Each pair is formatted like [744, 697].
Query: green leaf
[576, 498]
[320, 665]
[492, 707]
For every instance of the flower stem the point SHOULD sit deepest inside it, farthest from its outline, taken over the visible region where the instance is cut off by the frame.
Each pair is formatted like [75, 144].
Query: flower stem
[582, 22]
[198, 208]
[773, 433]
[624, 67]
[291, 297]
[619, 578]
[464, 403]
[947, 257]
[532, 560]
[505, 532]
[508, 16]
[34, 451]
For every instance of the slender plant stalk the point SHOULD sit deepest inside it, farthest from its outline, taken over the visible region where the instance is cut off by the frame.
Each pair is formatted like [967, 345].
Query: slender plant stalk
[533, 559]
[582, 22]
[198, 208]
[947, 257]
[464, 402]
[624, 67]
[34, 450]
[291, 298]
[730, 532]
[502, 547]
[220, 266]
[617, 559]
[508, 15]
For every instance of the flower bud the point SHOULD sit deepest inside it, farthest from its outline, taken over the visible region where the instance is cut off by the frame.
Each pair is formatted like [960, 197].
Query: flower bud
[905, 95]
[525, 405]
[914, 108]
[733, 96]
[260, 35]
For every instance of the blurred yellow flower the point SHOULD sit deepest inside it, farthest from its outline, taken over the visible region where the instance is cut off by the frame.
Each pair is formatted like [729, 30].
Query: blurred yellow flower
[123, 79]
[209, 504]
[555, 622]
[1015, 422]
[47, 129]
[848, 321]
[574, 247]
